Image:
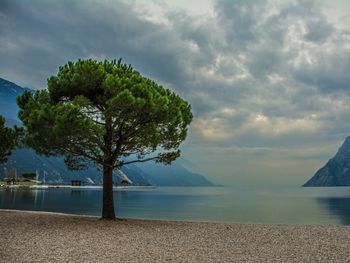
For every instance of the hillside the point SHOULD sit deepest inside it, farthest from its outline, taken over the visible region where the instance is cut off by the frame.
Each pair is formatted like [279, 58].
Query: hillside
[336, 172]
[53, 169]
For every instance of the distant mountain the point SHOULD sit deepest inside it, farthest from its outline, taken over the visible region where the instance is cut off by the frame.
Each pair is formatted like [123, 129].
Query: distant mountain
[336, 172]
[8, 94]
[54, 170]
[174, 174]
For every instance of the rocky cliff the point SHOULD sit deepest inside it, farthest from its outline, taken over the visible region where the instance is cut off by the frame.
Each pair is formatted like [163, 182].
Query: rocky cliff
[336, 172]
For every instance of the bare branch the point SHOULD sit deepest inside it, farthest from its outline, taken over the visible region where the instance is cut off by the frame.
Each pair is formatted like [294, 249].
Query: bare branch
[141, 160]
[84, 154]
[98, 122]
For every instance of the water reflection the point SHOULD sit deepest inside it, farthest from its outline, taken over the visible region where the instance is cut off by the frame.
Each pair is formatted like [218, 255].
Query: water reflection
[76, 193]
[13, 196]
[152, 204]
[292, 206]
[338, 206]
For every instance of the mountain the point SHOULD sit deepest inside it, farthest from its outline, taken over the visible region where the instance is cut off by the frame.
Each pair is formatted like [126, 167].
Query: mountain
[8, 93]
[174, 174]
[336, 172]
[54, 170]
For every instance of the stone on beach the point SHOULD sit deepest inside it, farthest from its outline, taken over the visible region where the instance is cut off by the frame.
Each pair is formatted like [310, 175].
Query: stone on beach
[45, 237]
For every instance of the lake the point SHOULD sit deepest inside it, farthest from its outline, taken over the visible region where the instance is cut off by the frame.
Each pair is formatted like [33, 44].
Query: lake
[329, 205]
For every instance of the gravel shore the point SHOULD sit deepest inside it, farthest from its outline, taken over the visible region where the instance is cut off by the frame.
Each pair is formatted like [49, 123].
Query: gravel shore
[44, 237]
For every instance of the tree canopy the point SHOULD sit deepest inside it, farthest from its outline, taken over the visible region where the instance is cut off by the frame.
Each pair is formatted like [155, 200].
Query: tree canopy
[8, 140]
[104, 113]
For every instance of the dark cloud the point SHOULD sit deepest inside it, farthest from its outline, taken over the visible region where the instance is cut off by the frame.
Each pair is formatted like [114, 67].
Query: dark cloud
[240, 20]
[318, 30]
[47, 34]
[328, 72]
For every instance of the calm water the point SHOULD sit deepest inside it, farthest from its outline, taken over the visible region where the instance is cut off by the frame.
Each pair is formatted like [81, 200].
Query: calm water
[215, 204]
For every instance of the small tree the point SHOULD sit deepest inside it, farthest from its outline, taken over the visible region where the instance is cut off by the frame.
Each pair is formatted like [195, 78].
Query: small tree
[106, 114]
[29, 176]
[8, 140]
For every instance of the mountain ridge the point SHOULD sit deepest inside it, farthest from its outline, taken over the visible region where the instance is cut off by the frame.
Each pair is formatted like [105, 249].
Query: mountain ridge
[26, 160]
[336, 172]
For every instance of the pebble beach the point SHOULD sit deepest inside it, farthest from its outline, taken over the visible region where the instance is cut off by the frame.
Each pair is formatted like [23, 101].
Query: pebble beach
[48, 237]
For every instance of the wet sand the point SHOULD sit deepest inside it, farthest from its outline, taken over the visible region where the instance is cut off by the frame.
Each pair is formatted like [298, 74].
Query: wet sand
[45, 237]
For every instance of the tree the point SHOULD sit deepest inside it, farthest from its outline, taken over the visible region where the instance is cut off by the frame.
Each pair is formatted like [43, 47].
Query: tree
[106, 114]
[30, 176]
[8, 140]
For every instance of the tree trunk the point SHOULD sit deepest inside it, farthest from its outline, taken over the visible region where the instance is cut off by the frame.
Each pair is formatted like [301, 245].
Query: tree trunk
[108, 202]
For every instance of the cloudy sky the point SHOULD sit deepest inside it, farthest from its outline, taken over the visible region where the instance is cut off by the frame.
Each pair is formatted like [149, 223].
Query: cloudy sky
[269, 81]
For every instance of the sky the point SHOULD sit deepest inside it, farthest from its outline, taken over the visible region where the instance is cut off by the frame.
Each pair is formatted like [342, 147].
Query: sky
[268, 81]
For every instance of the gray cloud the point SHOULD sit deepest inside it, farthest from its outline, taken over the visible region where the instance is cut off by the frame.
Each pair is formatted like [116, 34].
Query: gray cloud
[259, 74]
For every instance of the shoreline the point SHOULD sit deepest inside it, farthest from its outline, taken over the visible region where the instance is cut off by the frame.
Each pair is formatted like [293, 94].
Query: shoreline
[48, 186]
[172, 220]
[52, 237]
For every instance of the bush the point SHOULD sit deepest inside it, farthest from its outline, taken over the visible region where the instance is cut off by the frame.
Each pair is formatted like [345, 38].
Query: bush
[30, 176]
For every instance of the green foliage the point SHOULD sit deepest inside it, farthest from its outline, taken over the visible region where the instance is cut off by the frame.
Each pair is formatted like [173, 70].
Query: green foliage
[30, 176]
[8, 139]
[101, 112]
